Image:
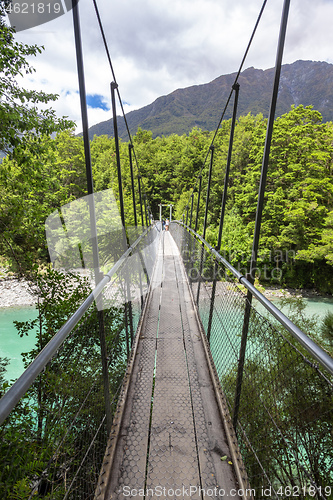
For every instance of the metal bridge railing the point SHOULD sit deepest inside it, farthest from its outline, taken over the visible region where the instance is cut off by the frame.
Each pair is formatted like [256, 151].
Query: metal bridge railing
[54, 434]
[280, 394]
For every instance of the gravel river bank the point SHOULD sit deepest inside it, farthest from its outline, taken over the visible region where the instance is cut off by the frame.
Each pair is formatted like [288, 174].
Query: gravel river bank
[15, 292]
[18, 292]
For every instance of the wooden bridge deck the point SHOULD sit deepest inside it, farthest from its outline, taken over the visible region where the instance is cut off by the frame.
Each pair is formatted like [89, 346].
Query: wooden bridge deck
[168, 437]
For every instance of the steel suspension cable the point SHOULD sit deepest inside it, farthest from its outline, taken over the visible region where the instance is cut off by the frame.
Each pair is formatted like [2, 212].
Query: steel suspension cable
[226, 105]
[241, 66]
[115, 81]
[232, 89]
[111, 65]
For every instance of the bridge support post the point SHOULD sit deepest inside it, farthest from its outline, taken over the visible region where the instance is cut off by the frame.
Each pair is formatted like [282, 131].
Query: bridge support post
[146, 212]
[127, 298]
[191, 213]
[212, 148]
[140, 198]
[224, 199]
[170, 218]
[206, 216]
[198, 204]
[130, 147]
[264, 168]
[160, 205]
[114, 86]
[90, 185]
[227, 170]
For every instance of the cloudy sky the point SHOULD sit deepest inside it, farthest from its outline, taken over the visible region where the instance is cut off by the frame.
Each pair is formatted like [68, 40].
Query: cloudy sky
[158, 46]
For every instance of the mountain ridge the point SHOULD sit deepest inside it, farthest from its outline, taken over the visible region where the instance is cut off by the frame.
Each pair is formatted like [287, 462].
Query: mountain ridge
[301, 82]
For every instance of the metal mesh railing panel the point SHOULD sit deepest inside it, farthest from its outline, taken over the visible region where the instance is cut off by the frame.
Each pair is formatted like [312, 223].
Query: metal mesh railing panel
[285, 417]
[54, 440]
[47, 435]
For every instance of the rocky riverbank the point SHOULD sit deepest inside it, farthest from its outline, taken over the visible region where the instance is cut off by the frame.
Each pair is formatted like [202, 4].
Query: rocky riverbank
[272, 292]
[18, 292]
[15, 292]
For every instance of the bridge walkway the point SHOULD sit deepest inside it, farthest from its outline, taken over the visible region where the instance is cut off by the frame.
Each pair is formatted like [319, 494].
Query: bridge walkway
[168, 432]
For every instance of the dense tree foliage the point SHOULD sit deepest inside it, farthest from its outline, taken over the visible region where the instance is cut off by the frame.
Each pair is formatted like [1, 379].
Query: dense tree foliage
[42, 173]
[23, 115]
[296, 236]
[26, 123]
[296, 243]
[45, 438]
[286, 405]
[31, 189]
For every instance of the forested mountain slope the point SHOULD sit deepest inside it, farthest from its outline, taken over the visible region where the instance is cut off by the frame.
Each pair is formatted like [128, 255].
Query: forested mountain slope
[296, 242]
[303, 82]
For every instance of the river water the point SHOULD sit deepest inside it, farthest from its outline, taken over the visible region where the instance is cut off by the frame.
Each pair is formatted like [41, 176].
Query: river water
[11, 345]
[317, 305]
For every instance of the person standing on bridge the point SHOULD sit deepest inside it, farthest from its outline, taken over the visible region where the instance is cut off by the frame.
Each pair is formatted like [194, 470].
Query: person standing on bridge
[167, 225]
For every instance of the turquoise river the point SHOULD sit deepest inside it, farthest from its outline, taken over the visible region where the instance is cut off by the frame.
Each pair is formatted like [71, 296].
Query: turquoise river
[11, 345]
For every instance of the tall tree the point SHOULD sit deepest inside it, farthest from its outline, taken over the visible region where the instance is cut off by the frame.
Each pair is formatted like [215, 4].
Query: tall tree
[20, 117]
[31, 189]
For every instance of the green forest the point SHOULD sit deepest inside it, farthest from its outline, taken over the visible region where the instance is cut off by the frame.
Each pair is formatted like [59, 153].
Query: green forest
[43, 168]
[296, 244]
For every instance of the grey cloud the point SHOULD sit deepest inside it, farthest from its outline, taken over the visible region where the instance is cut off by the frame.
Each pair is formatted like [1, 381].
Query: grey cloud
[159, 46]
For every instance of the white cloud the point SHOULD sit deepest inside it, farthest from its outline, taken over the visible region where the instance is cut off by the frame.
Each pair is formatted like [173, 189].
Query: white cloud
[157, 47]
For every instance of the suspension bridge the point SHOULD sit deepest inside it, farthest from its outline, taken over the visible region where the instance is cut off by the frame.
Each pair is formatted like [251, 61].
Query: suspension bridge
[167, 381]
[171, 436]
